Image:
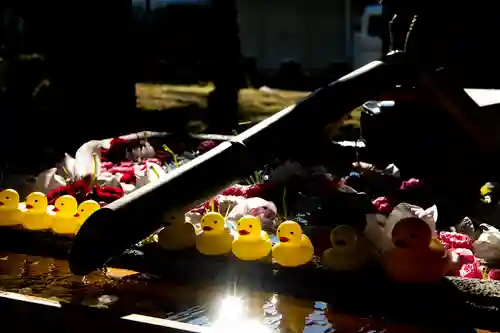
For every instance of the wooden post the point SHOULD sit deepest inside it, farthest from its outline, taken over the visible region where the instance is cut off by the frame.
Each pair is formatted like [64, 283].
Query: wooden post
[228, 76]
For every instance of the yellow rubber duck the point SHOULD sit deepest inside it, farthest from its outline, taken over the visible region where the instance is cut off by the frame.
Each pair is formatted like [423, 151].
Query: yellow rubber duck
[417, 257]
[63, 217]
[85, 209]
[215, 239]
[36, 216]
[251, 243]
[10, 208]
[349, 250]
[294, 248]
[177, 234]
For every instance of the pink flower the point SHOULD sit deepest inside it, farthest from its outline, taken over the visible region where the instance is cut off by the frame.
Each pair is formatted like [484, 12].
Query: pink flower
[466, 255]
[471, 271]
[106, 165]
[207, 206]
[455, 240]
[469, 264]
[254, 190]
[411, 184]
[247, 191]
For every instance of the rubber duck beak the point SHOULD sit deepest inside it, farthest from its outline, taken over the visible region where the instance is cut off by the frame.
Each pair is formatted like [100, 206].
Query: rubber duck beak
[243, 232]
[55, 209]
[207, 228]
[1, 203]
[284, 239]
[28, 206]
[77, 215]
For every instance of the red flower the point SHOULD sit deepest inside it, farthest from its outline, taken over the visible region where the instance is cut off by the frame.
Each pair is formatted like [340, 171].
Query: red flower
[128, 178]
[118, 149]
[382, 205]
[455, 240]
[494, 274]
[247, 191]
[236, 190]
[80, 186]
[206, 145]
[254, 190]
[108, 193]
[53, 195]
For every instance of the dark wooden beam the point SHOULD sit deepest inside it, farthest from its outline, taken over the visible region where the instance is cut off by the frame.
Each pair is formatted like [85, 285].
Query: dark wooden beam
[228, 72]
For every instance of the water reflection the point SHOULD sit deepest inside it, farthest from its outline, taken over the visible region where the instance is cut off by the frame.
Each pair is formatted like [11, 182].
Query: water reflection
[232, 316]
[235, 310]
[317, 321]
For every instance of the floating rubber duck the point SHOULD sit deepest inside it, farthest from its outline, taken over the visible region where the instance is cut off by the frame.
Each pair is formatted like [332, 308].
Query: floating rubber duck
[349, 250]
[36, 216]
[177, 234]
[251, 243]
[215, 239]
[10, 208]
[417, 257]
[63, 217]
[85, 209]
[294, 248]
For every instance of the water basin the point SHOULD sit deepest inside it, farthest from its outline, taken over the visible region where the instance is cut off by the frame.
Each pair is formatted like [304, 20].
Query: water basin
[227, 309]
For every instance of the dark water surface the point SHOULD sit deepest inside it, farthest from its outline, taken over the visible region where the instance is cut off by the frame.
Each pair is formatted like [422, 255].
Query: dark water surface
[227, 308]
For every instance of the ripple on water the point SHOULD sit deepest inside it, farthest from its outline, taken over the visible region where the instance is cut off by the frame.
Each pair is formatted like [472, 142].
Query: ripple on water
[272, 317]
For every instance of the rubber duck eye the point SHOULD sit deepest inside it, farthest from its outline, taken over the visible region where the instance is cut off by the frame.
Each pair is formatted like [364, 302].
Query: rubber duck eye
[62, 204]
[250, 226]
[291, 232]
[215, 222]
[36, 200]
[413, 236]
[172, 217]
[81, 210]
[7, 198]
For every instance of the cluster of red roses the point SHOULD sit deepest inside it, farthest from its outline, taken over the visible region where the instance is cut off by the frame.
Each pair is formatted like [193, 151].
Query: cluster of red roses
[82, 189]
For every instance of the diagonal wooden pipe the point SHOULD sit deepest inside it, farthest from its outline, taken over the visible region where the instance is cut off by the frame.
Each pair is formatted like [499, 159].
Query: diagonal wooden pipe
[113, 229]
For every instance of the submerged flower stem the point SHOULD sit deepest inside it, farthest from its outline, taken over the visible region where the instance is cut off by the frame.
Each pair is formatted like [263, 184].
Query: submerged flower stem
[165, 147]
[156, 172]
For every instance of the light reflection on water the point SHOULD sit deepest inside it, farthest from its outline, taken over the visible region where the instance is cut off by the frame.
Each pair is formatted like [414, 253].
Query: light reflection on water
[225, 310]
